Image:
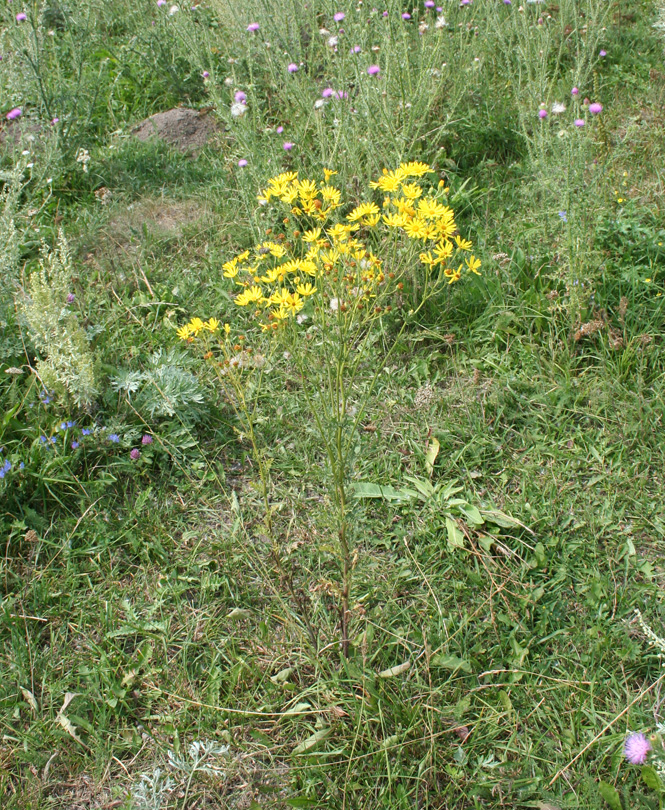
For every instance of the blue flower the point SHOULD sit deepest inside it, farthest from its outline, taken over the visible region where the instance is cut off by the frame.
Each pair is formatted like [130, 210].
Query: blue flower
[21, 466]
[43, 439]
[563, 216]
[7, 466]
[63, 426]
[86, 432]
[70, 424]
[53, 440]
[74, 445]
[113, 437]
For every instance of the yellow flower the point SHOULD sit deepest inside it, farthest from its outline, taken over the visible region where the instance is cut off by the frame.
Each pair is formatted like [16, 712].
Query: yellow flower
[329, 256]
[311, 236]
[416, 229]
[183, 332]
[443, 251]
[306, 289]
[272, 274]
[308, 267]
[395, 220]
[212, 324]
[463, 244]
[473, 264]
[427, 258]
[227, 328]
[363, 210]
[414, 169]
[431, 209]
[231, 270]
[411, 191]
[331, 196]
[306, 189]
[280, 298]
[372, 221]
[390, 181]
[196, 325]
[453, 275]
[280, 314]
[294, 303]
[328, 173]
[446, 224]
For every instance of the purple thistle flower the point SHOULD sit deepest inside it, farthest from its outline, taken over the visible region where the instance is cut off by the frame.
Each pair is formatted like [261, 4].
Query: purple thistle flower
[327, 93]
[240, 97]
[147, 439]
[17, 112]
[385, 13]
[636, 748]
[252, 27]
[161, 3]
[341, 94]
[54, 121]
[373, 70]
[279, 130]
[429, 3]
[542, 114]
[70, 298]
[574, 91]
[406, 16]
[579, 122]
[205, 74]
[292, 68]
[242, 163]
[21, 16]
[602, 53]
[507, 3]
[288, 146]
[595, 108]
[134, 454]
[355, 49]
[339, 16]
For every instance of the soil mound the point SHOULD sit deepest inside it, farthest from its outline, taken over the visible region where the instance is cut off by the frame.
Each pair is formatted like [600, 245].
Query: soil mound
[187, 130]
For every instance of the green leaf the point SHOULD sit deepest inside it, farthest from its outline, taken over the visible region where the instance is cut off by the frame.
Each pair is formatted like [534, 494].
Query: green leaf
[450, 662]
[365, 489]
[609, 794]
[499, 518]
[431, 454]
[472, 514]
[301, 801]
[310, 742]
[651, 778]
[455, 536]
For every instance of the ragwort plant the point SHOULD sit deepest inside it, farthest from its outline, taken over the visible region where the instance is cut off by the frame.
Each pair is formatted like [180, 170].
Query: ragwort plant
[318, 289]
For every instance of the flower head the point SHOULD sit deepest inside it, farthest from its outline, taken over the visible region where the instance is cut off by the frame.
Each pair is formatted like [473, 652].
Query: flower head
[288, 146]
[636, 748]
[429, 3]
[252, 27]
[205, 74]
[373, 70]
[70, 298]
[21, 16]
[327, 93]
[15, 113]
[542, 114]
[279, 130]
[339, 16]
[147, 439]
[602, 53]
[575, 91]
[579, 122]
[292, 68]
[406, 16]
[595, 108]
[240, 97]
[134, 454]
[242, 163]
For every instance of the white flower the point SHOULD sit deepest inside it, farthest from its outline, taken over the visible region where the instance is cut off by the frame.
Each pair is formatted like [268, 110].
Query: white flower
[440, 22]
[173, 10]
[228, 81]
[319, 103]
[558, 108]
[301, 318]
[332, 42]
[324, 32]
[238, 109]
[334, 304]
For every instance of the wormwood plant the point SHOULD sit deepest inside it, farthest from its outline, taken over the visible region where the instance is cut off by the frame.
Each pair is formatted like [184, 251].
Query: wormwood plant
[319, 290]
[67, 365]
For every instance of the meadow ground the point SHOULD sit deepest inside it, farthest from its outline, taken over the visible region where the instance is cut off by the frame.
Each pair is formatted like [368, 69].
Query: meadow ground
[174, 564]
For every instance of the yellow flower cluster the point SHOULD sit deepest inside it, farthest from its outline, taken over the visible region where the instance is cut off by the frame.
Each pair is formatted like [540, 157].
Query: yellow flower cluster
[277, 277]
[423, 218]
[196, 325]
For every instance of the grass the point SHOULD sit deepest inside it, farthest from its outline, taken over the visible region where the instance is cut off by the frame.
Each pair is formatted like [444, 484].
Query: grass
[142, 610]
